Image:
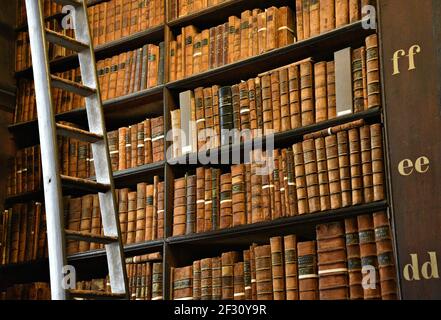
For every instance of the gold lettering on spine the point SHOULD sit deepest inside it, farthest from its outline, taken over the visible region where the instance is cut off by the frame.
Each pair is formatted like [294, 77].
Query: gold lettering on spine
[406, 167]
[413, 50]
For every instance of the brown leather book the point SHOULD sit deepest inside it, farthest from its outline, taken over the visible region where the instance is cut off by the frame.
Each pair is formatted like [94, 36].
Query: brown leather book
[208, 115]
[341, 12]
[253, 108]
[333, 272]
[153, 198]
[206, 279]
[239, 287]
[322, 170]
[73, 223]
[327, 15]
[354, 262]
[160, 212]
[183, 283]
[354, 10]
[373, 72]
[238, 194]
[131, 218]
[157, 288]
[277, 266]
[300, 177]
[188, 34]
[368, 254]
[200, 199]
[275, 100]
[179, 207]
[254, 34]
[173, 60]
[259, 111]
[228, 260]
[126, 19]
[245, 31]
[244, 111]
[216, 283]
[306, 18]
[140, 146]
[121, 73]
[332, 106]
[157, 125]
[219, 46]
[267, 112]
[299, 20]
[153, 66]
[200, 117]
[133, 146]
[144, 68]
[290, 264]
[356, 166]
[212, 48]
[128, 147]
[248, 208]
[112, 138]
[307, 93]
[226, 210]
[143, 21]
[285, 27]
[289, 181]
[272, 28]
[247, 275]
[377, 161]
[191, 205]
[314, 16]
[332, 156]
[143, 212]
[357, 80]
[118, 19]
[225, 44]
[345, 170]
[294, 96]
[197, 280]
[261, 32]
[205, 50]
[73, 162]
[366, 164]
[215, 206]
[308, 271]
[321, 97]
[86, 220]
[148, 149]
[208, 202]
[95, 227]
[197, 53]
[311, 175]
[385, 255]
[285, 121]
[180, 73]
[264, 282]
[256, 196]
[253, 272]
[236, 109]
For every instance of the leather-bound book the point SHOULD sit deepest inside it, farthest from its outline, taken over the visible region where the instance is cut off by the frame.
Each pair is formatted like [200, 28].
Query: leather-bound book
[238, 194]
[73, 162]
[191, 205]
[267, 110]
[244, 34]
[216, 280]
[148, 150]
[256, 195]
[160, 212]
[373, 72]
[212, 48]
[321, 98]
[86, 220]
[157, 270]
[279, 197]
[368, 254]
[113, 149]
[95, 226]
[327, 15]
[253, 272]
[239, 287]
[133, 146]
[377, 161]
[197, 280]
[299, 20]
[385, 255]
[208, 217]
[128, 147]
[158, 138]
[153, 197]
[128, 74]
[306, 93]
[300, 175]
[244, 105]
[14, 227]
[29, 239]
[344, 167]
[259, 107]
[149, 212]
[118, 19]
[330, 74]
[366, 164]
[285, 120]
[364, 77]
[341, 12]
[200, 200]
[333, 272]
[357, 80]
[140, 146]
[247, 275]
[228, 260]
[248, 207]
[236, 108]
[354, 261]
[121, 73]
[225, 44]
[113, 77]
[356, 169]
[206, 279]
[189, 32]
[200, 117]
[290, 265]
[179, 207]
[306, 18]
[277, 266]
[314, 17]
[285, 27]
[219, 45]
[131, 218]
[289, 181]
[205, 50]
[173, 60]
[322, 171]
[253, 108]
[333, 171]
[197, 53]
[261, 32]
[183, 283]
[294, 96]
[73, 223]
[215, 206]
[179, 57]
[153, 66]
[237, 37]
[311, 175]
[215, 139]
[275, 100]
[225, 114]
[264, 282]
[231, 37]
[271, 25]
[254, 34]
[307, 271]
[354, 10]
[226, 210]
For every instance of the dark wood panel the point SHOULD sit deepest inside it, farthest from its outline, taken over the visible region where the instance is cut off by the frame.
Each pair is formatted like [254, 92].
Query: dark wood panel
[413, 126]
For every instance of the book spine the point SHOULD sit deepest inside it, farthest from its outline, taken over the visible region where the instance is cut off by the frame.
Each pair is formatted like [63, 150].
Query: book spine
[271, 25]
[307, 271]
[86, 220]
[355, 164]
[236, 109]
[264, 282]
[146, 210]
[244, 34]
[148, 149]
[285, 121]
[300, 177]
[205, 50]
[321, 95]
[238, 194]
[216, 283]
[123, 209]
[131, 218]
[239, 287]
[357, 80]
[225, 114]
[311, 175]
[290, 264]
[314, 13]
[228, 260]
[341, 12]
[275, 101]
[191, 206]
[377, 161]
[179, 211]
[206, 279]
[294, 96]
[208, 202]
[157, 289]
[353, 257]
[197, 280]
[247, 275]
[226, 210]
[277, 266]
[344, 165]
[373, 72]
[183, 283]
[299, 20]
[322, 170]
[327, 15]
[244, 111]
[267, 112]
[307, 94]
[366, 164]
[332, 106]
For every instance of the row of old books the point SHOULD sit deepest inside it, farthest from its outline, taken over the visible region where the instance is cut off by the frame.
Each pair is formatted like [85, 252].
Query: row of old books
[116, 19]
[287, 98]
[314, 17]
[23, 58]
[328, 170]
[182, 8]
[50, 8]
[141, 216]
[120, 75]
[27, 291]
[332, 267]
[23, 233]
[144, 275]
[255, 32]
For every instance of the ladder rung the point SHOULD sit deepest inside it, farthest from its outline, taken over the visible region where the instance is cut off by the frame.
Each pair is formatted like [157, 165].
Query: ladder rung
[75, 3]
[89, 237]
[72, 86]
[65, 41]
[98, 295]
[84, 184]
[79, 134]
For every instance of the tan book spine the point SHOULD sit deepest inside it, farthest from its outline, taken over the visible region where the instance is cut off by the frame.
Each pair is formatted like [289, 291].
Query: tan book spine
[356, 166]
[294, 96]
[354, 263]
[173, 60]
[180, 73]
[275, 101]
[183, 283]
[247, 275]
[73, 223]
[216, 283]
[354, 11]
[148, 149]
[327, 15]
[239, 286]
[133, 146]
[341, 12]
[344, 165]
[206, 279]
[238, 194]
[357, 80]
[311, 173]
[307, 270]
[131, 218]
[226, 210]
[332, 103]
[285, 27]
[256, 195]
[377, 161]
[314, 14]
[123, 210]
[197, 280]
[290, 264]
[205, 50]
[190, 32]
[277, 265]
[86, 220]
[272, 28]
[264, 282]
[219, 45]
[306, 18]
[179, 207]
[285, 121]
[299, 20]
[244, 111]
[322, 170]
[208, 202]
[143, 212]
[321, 95]
[200, 199]
[373, 72]
[366, 164]
[191, 205]
[118, 19]
[197, 53]
[160, 231]
[244, 34]
[228, 260]
[300, 176]
[307, 93]
[332, 156]
[254, 35]
[267, 112]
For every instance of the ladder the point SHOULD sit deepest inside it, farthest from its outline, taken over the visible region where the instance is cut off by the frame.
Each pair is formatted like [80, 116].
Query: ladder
[53, 181]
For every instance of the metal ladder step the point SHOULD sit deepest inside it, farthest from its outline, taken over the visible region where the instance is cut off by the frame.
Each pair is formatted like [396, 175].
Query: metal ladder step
[89, 237]
[75, 3]
[72, 86]
[65, 41]
[84, 184]
[97, 295]
[79, 134]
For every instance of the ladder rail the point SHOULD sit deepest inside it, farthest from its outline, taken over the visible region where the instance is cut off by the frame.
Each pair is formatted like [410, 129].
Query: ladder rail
[49, 152]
